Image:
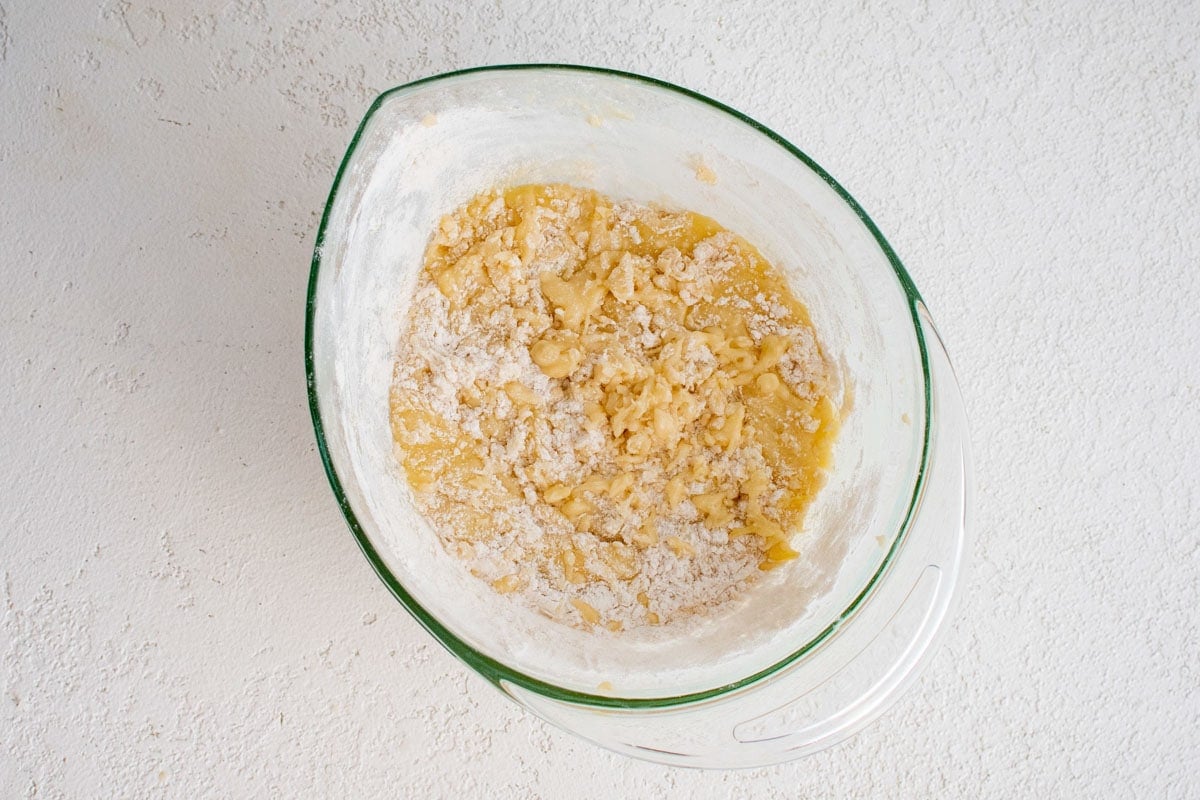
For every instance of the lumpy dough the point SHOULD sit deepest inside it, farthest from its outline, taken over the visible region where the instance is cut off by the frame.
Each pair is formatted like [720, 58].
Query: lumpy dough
[613, 412]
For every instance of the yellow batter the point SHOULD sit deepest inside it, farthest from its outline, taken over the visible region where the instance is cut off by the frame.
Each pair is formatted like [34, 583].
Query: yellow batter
[612, 408]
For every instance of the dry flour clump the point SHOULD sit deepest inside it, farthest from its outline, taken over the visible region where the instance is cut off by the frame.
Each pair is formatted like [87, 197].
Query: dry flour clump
[612, 412]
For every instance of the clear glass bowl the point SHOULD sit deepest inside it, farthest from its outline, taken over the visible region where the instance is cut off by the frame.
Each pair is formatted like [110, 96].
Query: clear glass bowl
[819, 647]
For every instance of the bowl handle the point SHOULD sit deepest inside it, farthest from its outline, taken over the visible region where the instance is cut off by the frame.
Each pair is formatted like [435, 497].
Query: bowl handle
[884, 650]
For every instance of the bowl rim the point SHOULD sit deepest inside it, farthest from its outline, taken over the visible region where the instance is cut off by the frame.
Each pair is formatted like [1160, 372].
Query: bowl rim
[495, 671]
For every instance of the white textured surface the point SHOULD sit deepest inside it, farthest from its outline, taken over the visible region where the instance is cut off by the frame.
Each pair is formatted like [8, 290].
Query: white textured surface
[182, 612]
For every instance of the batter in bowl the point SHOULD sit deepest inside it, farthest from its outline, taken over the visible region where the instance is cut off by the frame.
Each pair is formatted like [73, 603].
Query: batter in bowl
[613, 412]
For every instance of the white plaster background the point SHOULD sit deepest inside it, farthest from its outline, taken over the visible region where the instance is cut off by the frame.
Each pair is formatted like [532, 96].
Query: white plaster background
[182, 612]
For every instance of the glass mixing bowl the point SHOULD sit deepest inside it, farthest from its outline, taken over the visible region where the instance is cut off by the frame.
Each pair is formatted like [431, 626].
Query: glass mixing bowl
[819, 647]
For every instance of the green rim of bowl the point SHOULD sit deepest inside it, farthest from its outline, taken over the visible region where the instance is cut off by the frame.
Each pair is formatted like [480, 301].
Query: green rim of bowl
[493, 670]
